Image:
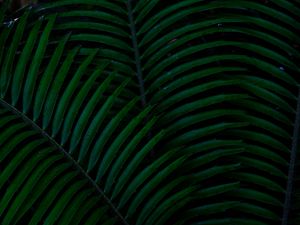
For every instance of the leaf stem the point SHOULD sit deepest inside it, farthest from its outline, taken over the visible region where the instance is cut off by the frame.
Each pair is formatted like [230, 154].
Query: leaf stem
[136, 54]
[66, 154]
[290, 182]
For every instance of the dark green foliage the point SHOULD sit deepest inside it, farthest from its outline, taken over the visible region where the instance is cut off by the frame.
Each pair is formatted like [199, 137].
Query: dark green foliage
[150, 112]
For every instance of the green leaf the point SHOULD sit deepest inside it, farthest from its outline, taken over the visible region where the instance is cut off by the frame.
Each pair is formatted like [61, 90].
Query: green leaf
[69, 91]
[56, 86]
[34, 67]
[6, 68]
[149, 112]
[18, 78]
[46, 79]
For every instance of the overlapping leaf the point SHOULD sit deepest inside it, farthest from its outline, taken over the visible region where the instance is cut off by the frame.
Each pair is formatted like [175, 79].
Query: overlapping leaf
[146, 104]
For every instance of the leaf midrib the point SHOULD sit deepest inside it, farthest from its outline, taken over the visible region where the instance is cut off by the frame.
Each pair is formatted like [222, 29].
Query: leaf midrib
[291, 171]
[136, 50]
[81, 171]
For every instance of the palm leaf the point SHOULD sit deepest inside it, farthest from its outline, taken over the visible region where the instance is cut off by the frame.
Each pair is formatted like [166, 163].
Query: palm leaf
[149, 112]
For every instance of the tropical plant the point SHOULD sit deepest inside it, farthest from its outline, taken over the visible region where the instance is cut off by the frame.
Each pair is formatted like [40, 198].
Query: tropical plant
[150, 112]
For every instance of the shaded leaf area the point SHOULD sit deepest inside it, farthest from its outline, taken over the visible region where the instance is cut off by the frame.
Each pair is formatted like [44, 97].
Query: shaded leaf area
[179, 112]
[38, 183]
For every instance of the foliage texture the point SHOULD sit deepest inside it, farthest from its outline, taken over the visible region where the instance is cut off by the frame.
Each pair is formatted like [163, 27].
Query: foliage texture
[150, 112]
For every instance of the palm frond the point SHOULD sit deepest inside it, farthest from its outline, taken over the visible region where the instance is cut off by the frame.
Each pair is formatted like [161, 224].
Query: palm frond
[150, 112]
